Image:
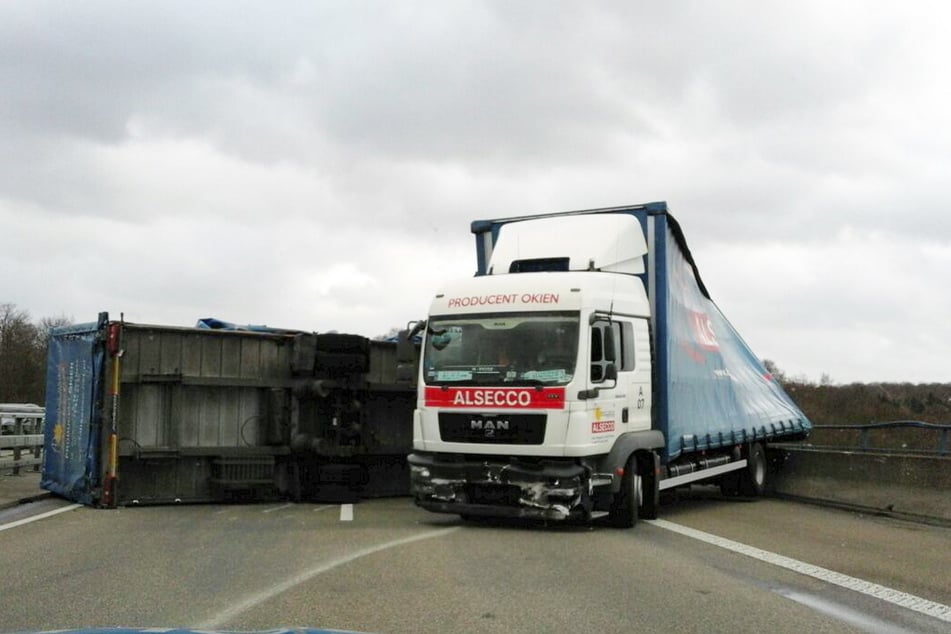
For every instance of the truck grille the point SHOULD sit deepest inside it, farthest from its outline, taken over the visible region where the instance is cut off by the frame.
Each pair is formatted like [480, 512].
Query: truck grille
[509, 429]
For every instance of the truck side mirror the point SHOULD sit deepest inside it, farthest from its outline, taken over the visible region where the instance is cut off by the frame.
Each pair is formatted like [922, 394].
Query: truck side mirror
[406, 351]
[413, 328]
[610, 374]
[407, 356]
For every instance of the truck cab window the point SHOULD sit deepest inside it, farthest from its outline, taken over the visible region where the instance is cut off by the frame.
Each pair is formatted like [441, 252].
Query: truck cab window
[605, 348]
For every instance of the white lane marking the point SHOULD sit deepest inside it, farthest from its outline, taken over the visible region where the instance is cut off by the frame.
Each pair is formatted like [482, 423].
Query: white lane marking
[346, 512]
[277, 508]
[883, 593]
[255, 599]
[859, 620]
[324, 507]
[41, 516]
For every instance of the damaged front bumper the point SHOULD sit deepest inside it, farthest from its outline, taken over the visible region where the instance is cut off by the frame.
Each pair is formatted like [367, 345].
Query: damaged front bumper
[549, 490]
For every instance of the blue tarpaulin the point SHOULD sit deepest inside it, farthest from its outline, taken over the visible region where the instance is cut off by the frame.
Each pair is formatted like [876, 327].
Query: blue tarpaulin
[212, 323]
[718, 393]
[73, 415]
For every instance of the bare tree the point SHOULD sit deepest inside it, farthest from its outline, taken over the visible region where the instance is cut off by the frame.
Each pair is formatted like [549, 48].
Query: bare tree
[19, 378]
[23, 350]
[46, 325]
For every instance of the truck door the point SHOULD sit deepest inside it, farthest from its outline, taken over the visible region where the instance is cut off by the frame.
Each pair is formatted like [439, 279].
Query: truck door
[604, 377]
[624, 403]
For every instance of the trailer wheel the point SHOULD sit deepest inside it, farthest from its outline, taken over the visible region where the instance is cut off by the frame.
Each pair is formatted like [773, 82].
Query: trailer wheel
[753, 478]
[626, 504]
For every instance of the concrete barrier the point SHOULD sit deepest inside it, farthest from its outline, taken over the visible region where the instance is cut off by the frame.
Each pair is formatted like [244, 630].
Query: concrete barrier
[904, 485]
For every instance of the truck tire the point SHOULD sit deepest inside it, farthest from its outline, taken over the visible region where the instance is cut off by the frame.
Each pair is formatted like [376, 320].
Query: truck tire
[650, 488]
[339, 353]
[626, 504]
[753, 477]
[342, 343]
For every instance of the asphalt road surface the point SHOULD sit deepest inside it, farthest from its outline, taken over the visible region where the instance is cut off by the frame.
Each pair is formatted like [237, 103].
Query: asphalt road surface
[709, 565]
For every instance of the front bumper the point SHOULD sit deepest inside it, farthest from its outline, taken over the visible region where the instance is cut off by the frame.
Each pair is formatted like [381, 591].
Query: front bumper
[548, 490]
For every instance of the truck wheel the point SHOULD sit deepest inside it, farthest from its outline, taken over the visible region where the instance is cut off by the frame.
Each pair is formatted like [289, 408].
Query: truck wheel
[650, 489]
[753, 478]
[626, 503]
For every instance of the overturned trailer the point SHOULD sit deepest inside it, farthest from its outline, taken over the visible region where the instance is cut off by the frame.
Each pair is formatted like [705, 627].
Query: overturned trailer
[148, 414]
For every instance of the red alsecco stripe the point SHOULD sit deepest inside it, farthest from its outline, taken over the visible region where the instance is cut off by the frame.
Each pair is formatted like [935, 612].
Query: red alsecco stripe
[495, 397]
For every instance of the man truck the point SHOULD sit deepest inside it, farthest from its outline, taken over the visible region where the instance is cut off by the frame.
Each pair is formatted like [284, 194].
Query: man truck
[582, 371]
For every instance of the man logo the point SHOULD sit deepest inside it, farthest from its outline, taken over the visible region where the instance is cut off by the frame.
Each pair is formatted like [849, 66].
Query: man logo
[488, 427]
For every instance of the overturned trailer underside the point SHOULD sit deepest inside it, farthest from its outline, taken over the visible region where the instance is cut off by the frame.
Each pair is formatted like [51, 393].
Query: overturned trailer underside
[145, 414]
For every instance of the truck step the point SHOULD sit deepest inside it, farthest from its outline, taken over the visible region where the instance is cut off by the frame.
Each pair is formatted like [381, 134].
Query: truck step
[598, 514]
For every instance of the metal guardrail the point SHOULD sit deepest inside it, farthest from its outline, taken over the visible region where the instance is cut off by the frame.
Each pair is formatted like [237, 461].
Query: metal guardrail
[893, 431]
[21, 437]
[18, 452]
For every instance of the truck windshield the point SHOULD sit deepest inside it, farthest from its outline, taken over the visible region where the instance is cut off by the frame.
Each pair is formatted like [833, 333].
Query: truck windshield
[512, 348]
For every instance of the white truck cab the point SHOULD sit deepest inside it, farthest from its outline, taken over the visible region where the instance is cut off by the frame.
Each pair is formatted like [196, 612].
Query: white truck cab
[521, 364]
[530, 374]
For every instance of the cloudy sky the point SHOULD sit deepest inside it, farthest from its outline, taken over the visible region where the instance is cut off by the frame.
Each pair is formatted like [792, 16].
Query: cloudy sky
[316, 165]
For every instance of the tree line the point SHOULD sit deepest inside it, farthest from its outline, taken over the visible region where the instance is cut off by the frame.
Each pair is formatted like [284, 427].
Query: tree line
[23, 349]
[861, 403]
[828, 403]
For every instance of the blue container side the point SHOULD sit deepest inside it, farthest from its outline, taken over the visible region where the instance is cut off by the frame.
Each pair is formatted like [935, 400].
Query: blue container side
[74, 371]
